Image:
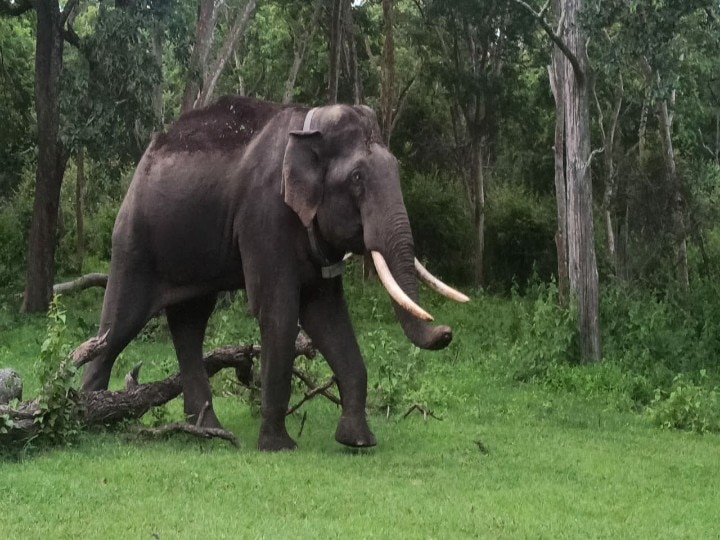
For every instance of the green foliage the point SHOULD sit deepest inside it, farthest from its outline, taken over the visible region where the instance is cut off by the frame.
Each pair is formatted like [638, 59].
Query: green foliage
[59, 409]
[393, 376]
[687, 405]
[519, 236]
[548, 336]
[17, 44]
[441, 224]
[15, 216]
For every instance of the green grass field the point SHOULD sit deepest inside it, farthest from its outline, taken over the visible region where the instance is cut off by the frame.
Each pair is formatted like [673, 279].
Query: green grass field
[507, 460]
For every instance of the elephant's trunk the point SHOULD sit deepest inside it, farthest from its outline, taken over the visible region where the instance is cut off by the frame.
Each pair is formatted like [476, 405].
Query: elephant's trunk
[399, 252]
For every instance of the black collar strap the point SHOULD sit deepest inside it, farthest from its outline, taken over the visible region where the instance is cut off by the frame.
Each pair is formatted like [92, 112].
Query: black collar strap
[328, 268]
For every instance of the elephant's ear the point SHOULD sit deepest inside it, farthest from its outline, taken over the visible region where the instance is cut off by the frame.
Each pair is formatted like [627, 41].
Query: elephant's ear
[302, 174]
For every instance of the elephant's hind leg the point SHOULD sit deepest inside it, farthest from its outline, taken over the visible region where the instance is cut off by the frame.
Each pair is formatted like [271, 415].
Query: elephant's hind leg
[127, 307]
[188, 321]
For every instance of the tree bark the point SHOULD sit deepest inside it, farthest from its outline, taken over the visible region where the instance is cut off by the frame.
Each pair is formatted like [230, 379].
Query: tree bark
[478, 180]
[212, 75]
[352, 57]
[387, 89]
[300, 47]
[677, 203]
[79, 208]
[51, 158]
[336, 19]
[582, 263]
[204, 37]
[556, 72]
[610, 174]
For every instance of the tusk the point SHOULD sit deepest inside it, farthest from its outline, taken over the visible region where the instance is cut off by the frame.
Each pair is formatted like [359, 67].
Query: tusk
[394, 289]
[439, 286]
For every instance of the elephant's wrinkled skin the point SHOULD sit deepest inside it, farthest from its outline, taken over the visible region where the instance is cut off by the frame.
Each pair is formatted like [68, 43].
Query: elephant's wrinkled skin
[222, 201]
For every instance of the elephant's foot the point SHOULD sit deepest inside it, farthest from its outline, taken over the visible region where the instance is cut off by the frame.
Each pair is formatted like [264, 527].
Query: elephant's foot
[354, 431]
[275, 441]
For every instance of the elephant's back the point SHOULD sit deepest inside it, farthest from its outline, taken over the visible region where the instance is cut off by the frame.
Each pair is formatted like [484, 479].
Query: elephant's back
[226, 125]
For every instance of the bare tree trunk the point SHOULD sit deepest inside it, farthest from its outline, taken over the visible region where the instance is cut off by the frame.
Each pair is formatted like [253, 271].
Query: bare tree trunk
[608, 141]
[335, 45]
[556, 71]
[79, 208]
[478, 189]
[51, 158]
[387, 90]
[678, 203]
[204, 37]
[352, 57]
[299, 49]
[642, 129]
[157, 98]
[236, 32]
[581, 236]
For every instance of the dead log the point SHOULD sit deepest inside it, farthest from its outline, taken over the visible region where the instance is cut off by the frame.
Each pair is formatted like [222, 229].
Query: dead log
[81, 283]
[106, 407]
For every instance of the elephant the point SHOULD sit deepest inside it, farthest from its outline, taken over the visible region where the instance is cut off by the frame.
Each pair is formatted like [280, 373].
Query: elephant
[255, 195]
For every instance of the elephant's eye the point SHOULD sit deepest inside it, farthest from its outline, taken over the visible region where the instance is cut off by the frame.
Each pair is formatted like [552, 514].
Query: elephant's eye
[355, 178]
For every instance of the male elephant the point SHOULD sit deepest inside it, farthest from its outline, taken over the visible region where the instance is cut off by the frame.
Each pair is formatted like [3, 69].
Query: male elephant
[269, 198]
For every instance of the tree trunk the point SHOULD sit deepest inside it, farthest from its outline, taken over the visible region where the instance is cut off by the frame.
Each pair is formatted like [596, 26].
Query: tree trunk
[556, 72]
[478, 190]
[204, 37]
[677, 203]
[335, 44]
[157, 98]
[79, 219]
[582, 263]
[610, 175]
[299, 49]
[51, 158]
[212, 75]
[352, 57]
[387, 90]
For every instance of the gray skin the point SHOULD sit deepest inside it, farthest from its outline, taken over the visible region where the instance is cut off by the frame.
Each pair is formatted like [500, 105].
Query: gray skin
[222, 201]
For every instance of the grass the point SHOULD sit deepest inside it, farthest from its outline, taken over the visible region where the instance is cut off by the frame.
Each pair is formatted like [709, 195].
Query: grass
[508, 460]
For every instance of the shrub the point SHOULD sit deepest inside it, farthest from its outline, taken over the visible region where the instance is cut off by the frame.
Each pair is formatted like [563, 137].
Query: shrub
[687, 405]
[441, 224]
[547, 336]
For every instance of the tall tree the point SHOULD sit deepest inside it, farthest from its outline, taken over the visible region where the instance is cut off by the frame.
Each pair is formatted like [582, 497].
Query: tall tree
[207, 66]
[573, 75]
[52, 157]
[478, 39]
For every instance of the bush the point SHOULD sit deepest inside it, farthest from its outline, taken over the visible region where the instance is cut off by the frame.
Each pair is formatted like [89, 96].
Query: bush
[15, 218]
[519, 237]
[547, 337]
[441, 224]
[687, 405]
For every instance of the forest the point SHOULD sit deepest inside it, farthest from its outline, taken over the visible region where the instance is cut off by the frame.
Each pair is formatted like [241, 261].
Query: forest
[560, 164]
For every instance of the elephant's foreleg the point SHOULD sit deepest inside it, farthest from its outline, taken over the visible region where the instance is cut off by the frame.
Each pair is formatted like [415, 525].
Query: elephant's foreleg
[188, 322]
[325, 318]
[278, 330]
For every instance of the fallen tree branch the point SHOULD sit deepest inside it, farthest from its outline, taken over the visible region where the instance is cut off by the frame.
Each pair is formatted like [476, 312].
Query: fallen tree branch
[197, 430]
[313, 391]
[81, 283]
[423, 410]
[105, 407]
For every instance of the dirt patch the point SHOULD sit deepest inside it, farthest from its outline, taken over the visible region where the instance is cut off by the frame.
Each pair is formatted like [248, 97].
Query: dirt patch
[228, 124]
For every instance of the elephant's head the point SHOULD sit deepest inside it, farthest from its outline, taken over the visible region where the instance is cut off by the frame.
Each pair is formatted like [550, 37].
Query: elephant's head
[338, 175]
